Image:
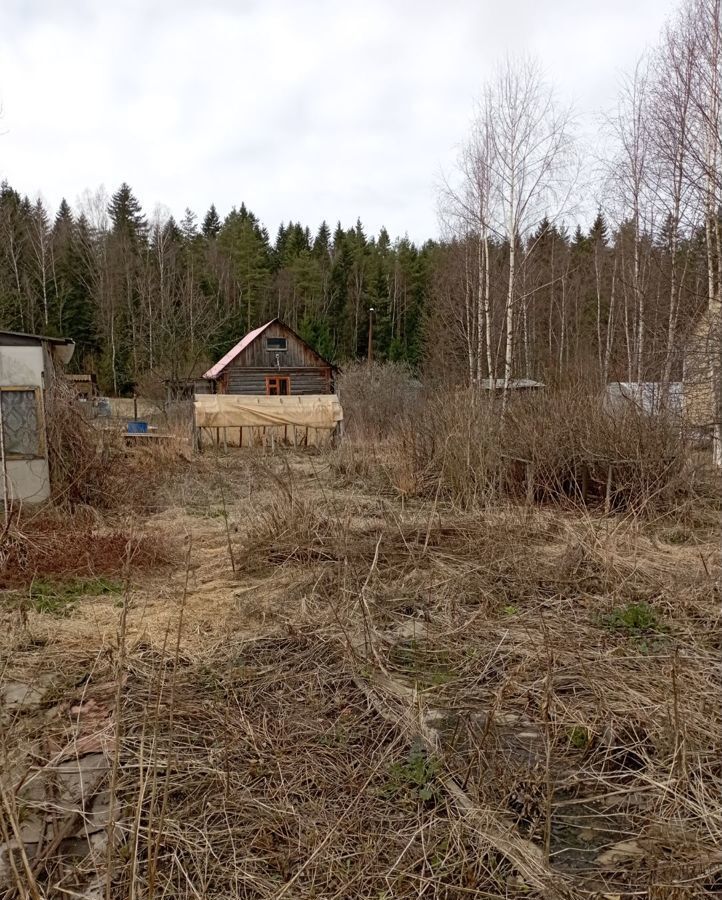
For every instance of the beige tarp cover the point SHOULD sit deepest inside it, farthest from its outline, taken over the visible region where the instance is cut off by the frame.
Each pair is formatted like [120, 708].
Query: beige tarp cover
[239, 410]
[246, 420]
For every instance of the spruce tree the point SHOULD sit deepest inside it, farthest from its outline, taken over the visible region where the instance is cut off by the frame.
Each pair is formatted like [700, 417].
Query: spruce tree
[64, 215]
[211, 223]
[72, 279]
[188, 226]
[322, 241]
[599, 232]
[126, 215]
[339, 239]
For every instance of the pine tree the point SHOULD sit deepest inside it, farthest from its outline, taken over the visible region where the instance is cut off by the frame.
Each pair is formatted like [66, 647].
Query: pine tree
[72, 279]
[15, 311]
[171, 231]
[247, 248]
[580, 242]
[339, 239]
[279, 247]
[599, 233]
[384, 242]
[322, 241]
[126, 215]
[188, 226]
[64, 216]
[211, 223]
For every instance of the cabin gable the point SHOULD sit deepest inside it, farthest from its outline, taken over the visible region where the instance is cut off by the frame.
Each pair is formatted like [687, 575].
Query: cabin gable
[265, 352]
[275, 361]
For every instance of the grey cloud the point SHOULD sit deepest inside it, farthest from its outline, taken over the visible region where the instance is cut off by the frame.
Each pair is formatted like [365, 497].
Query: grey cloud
[305, 110]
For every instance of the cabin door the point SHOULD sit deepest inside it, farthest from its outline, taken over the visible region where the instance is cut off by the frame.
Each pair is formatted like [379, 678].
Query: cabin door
[278, 385]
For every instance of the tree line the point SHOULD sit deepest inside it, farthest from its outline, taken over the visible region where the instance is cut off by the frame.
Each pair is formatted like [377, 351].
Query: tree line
[166, 297]
[628, 299]
[508, 290]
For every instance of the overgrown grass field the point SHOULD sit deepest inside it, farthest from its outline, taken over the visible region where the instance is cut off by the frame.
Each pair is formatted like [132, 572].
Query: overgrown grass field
[346, 675]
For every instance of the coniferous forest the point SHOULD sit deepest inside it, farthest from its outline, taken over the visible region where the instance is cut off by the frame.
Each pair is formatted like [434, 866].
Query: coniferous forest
[517, 285]
[166, 297]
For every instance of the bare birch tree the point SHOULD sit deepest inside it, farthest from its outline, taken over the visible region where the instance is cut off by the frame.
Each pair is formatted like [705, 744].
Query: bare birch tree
[672, 124]
[631, 182]
[531, 172]
[515, 168]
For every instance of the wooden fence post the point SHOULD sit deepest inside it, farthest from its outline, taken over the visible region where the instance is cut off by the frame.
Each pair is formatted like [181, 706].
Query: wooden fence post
[530, 483]
[608, 493]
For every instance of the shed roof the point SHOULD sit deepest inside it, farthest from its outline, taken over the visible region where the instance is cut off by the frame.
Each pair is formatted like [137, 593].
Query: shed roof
[82, 378]
[649, 396]
[61, 348]
[497, 384]
[216, 369]
[18, 337]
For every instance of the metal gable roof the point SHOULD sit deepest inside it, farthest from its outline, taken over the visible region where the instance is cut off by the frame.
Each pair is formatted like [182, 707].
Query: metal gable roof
[216, 369]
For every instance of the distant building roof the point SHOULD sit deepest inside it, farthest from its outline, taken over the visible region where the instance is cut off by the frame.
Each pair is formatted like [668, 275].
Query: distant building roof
[18, 337]
[216, 370]
[62, 347]
[245, 341]
[497, 384]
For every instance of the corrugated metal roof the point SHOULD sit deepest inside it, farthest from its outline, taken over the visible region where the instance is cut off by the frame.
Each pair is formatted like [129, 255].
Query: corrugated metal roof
[497, 384]
[216, 370]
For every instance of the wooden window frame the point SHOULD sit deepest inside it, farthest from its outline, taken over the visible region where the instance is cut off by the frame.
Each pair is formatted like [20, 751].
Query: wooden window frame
[277, 349]
[40, 416]
[276, 381]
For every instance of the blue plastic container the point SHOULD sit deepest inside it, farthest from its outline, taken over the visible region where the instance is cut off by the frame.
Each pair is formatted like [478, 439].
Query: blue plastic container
[137, 428]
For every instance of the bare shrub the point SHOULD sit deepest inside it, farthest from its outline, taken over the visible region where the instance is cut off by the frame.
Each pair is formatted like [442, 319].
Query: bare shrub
[91, 466]
[81, 456]
[452, 449]
[562, 446]
[579, 449]
[377, 398]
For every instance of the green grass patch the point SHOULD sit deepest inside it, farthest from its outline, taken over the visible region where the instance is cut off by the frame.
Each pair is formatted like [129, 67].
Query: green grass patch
[635, 619]
[427, 666]
[640, 623]
[578, 737]
[416, 777]
[58, 598]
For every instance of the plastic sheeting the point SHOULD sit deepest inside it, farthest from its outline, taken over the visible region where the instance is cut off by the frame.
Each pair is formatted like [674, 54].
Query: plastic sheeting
[652, 397]
[294, 419]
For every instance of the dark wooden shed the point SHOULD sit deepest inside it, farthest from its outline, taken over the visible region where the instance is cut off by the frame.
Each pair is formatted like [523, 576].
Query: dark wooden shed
[274, 361]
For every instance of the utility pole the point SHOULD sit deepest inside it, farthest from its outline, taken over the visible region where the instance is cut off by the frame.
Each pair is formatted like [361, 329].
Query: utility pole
[370, 354]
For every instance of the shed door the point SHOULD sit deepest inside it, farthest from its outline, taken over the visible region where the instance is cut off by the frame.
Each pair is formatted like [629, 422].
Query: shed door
[278, 385]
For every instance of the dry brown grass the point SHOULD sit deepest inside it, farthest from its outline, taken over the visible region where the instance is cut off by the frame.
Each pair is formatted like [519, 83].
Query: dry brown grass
[61, 546]
[508, 701]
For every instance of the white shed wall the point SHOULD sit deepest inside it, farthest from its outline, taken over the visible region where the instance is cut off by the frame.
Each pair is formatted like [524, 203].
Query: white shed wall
[21, 365]
[28, 479]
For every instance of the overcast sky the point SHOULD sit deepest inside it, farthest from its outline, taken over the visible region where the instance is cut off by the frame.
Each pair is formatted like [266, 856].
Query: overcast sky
[304, 109]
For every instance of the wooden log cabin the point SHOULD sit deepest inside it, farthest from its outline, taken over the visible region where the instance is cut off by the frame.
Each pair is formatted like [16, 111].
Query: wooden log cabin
[273, 361]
